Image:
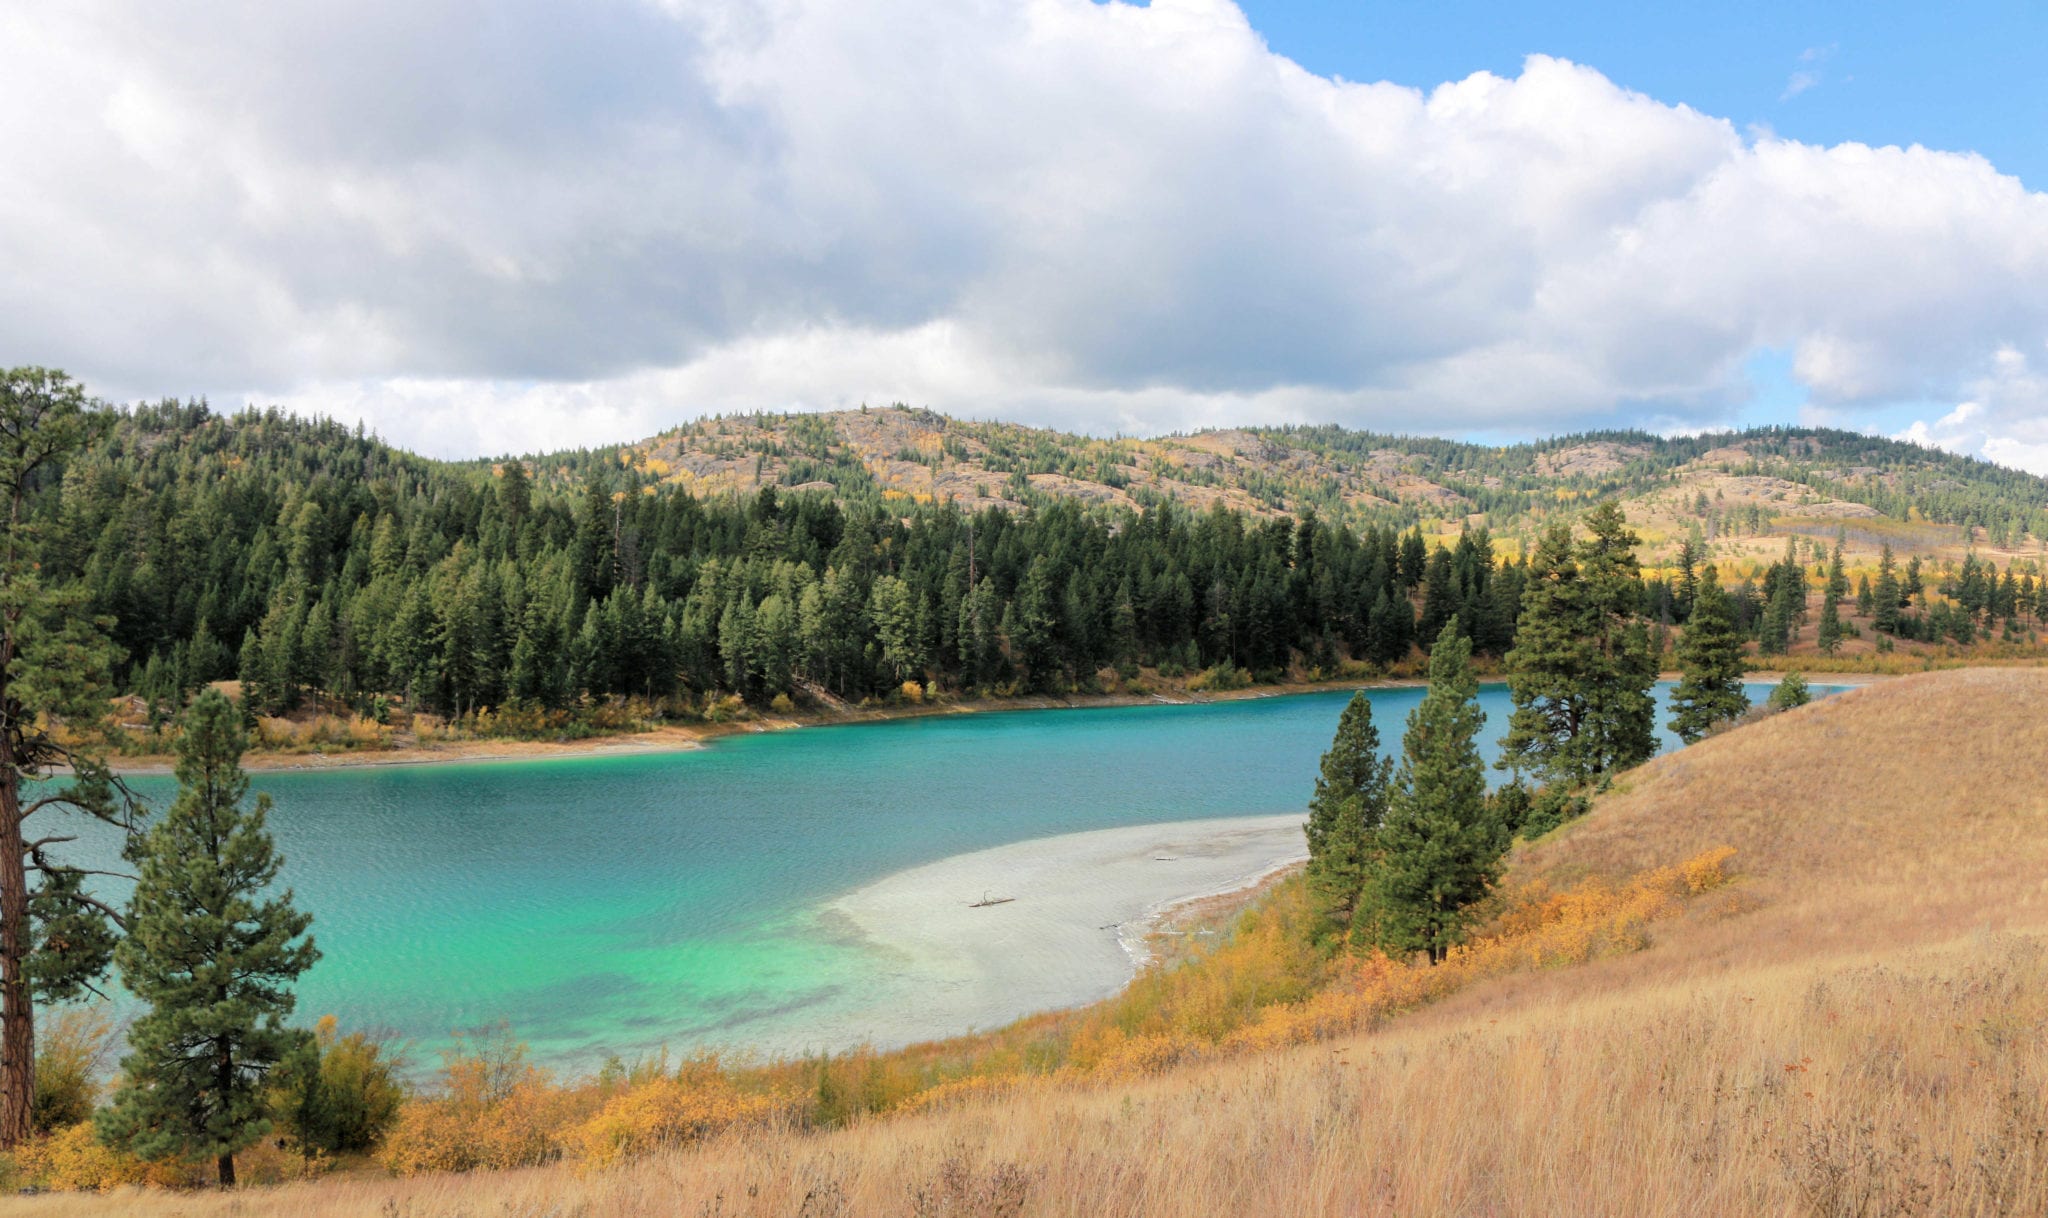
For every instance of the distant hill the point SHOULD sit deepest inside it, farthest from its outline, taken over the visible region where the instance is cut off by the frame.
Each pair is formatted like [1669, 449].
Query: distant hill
[1763, 481]
[305, 555]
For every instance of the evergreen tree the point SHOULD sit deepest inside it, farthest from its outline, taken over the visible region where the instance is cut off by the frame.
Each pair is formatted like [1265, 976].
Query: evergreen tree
[1791, 692]
[1344, 815]
[1441, 844]
[1551, 660]
[1687, 591]
[1439, 595]
[1888, 595]
[1622, 713]
[1775, 638]
[1582, 667]
[1710, 660]
[1830, 636]
[213, 959]
[1837, 587]
[1413, 558]
[55, 656]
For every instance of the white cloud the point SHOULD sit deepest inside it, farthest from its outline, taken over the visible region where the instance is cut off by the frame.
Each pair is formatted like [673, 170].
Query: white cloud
[1809, 74]
[521, 225]
[2005, 420]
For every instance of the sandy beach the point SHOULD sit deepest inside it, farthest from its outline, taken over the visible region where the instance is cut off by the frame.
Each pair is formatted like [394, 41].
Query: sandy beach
[1072, 932]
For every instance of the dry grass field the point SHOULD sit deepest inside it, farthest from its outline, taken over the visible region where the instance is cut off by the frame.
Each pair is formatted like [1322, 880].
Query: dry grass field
[1858, 1026]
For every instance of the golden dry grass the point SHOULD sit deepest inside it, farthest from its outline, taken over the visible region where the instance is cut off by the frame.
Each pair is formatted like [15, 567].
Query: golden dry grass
[1865, 1037]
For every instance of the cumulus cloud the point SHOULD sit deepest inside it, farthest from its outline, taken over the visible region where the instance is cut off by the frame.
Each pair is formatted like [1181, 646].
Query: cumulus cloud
[506, 227]
[2005, 419]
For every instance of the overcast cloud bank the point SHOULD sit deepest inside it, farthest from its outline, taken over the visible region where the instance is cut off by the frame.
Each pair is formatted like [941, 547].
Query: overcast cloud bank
[523, 225]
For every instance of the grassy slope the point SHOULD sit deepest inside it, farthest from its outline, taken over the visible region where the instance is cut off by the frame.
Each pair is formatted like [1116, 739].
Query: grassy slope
[903, 454]
[1860, 1031]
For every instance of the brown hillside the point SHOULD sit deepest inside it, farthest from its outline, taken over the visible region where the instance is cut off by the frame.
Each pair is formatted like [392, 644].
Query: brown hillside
[1922, 798]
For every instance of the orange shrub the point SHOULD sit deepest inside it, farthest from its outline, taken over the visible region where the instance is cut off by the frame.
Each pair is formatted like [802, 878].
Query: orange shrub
[492, 1109]
[73, 1160]
[663, 1113]
[1262, 987]
[1536, 929]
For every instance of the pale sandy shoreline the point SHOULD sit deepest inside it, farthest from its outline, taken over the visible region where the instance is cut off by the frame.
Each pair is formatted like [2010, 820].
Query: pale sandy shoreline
[1073, 933]
[683, 738]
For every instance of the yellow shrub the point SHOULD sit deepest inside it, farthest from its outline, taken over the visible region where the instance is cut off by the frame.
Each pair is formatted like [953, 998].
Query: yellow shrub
[493, 1109]
[73, 1160]
[663, 1113]
[1707, 871]
[1536, 929]
[724, 707]
[973, 1087]
[1266, 985]
[523, 1129]
[1125, 1057]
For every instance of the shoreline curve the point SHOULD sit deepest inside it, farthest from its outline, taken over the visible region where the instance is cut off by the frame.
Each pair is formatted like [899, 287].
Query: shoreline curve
[1071, 931]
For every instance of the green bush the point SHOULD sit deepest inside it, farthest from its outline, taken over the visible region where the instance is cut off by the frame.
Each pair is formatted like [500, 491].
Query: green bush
[344, 1096]
[1791, 692]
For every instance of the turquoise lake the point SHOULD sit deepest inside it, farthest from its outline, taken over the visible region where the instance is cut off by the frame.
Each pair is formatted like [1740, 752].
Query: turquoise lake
[620, 903]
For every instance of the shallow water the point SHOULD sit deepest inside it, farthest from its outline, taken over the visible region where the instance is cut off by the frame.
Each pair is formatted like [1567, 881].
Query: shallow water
[615, 904]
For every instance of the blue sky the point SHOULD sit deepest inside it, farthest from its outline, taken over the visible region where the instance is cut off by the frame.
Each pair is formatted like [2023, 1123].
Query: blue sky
[1966, 75]
[520, 225]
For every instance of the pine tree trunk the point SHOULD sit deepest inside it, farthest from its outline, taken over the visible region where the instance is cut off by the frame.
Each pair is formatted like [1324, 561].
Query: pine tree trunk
[17, 1017]
[224, 1076]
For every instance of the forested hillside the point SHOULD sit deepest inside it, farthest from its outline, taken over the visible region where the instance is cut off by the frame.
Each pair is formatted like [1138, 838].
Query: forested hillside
[301, 556]
[306, 558]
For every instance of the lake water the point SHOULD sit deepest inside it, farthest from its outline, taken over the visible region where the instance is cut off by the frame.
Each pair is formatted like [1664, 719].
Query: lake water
[616, 904]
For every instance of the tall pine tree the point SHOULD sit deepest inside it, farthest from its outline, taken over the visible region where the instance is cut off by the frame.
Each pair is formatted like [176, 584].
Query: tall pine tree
[1710, 661]
[1441, 844]
[1830, 637]
[212, 957]
[1344, 817]
[55, 937]
[1582, 666]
